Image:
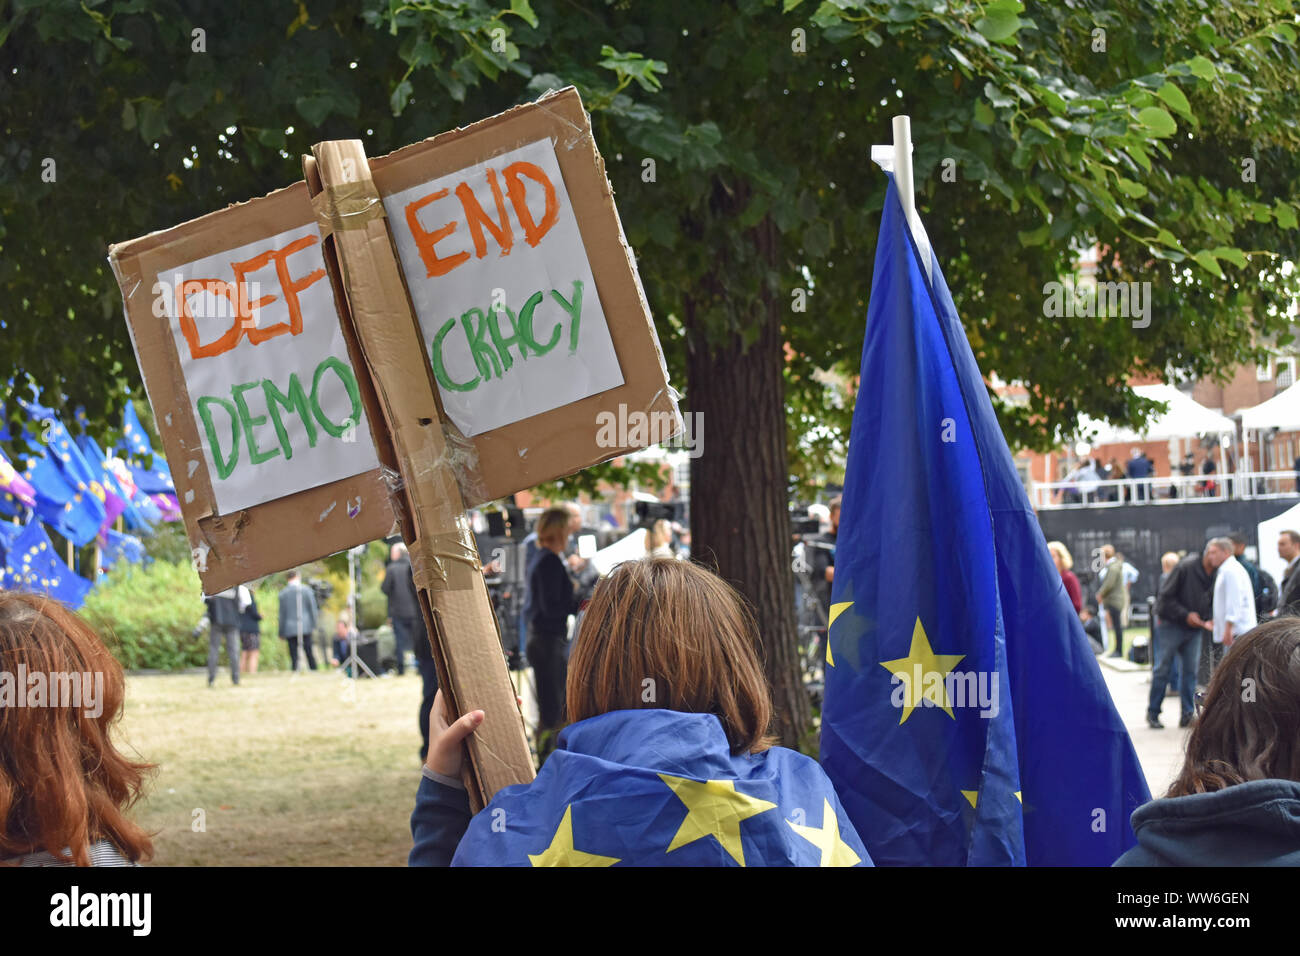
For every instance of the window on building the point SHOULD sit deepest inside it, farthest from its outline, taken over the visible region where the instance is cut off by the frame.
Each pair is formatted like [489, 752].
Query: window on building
[1264, 372]
[1285, 373]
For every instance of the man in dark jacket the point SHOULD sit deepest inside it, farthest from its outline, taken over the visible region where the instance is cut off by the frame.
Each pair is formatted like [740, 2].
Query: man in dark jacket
[1183, 612]
[1288, 549]
[224, 613]
[298, 619]
[403, 606]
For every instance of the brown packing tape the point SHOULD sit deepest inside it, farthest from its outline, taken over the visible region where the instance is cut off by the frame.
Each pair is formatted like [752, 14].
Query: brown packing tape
[347, 206]
[446, 561]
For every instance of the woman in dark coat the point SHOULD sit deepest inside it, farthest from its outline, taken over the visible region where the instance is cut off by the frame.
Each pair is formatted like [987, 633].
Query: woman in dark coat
[1237, 800]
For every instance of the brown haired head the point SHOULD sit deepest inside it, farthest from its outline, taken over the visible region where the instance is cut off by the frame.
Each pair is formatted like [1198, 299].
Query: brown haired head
[662, 633]
[1250, 726]
[63, 784]
[553, 525]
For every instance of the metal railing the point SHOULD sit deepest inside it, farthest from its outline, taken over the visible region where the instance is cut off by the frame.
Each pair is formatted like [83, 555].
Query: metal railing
[1172, 490]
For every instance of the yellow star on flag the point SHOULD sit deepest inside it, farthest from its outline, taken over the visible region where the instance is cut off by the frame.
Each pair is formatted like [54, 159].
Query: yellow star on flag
[562, 852]
[922, 667]
[836, 611]
[835, 852]
[971, 796]
[713, 808]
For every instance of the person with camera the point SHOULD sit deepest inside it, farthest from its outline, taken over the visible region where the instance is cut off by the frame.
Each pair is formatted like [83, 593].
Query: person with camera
[298, 613]
[820, 551]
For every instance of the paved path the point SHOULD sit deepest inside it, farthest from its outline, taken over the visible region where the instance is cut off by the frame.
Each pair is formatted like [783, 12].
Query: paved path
[1159, 751]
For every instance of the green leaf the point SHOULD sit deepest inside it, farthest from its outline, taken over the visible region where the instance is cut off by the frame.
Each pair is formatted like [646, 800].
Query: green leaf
[1235, 256]
[1202, 67]
[314, 108]
[1131, 189]
[1175, 98]
[128, 115]
[1158, 121]
[817, 240]
[984, 114]
[524, 10]
[998, 25]
[997, 97]
[1035, 237]
[1207, 262]
[1285, 214]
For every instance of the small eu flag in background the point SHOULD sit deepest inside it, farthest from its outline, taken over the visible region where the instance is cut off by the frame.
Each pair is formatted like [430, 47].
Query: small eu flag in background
[966, 721]
[15, 491]
[30, 564]
[120, 547]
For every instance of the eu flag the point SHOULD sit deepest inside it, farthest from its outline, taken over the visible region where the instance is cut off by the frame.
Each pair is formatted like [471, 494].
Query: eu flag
[661, 788]
[966, 721]
[120, 547]
[148, 469]
[90, 451]
[30, 564]
[15, 492]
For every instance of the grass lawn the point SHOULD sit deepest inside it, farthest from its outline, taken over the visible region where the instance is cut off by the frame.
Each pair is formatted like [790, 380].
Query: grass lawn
[287, 770]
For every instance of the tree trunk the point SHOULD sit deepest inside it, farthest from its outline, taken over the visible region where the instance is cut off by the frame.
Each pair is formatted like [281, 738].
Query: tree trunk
[739, 504]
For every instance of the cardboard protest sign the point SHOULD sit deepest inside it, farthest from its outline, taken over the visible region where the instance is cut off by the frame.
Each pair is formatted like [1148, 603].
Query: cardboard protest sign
[260, 344]
[261, 414]
[506, 340]
[470, 303]
[533, 317]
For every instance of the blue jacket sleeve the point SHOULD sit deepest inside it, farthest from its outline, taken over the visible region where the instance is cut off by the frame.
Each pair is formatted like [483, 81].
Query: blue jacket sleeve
[440, 819]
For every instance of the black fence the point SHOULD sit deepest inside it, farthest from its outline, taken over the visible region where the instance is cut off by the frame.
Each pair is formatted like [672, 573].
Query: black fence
[1144, 534]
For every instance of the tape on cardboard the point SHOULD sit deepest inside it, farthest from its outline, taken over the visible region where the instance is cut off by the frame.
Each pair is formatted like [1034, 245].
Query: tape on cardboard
[347, 206]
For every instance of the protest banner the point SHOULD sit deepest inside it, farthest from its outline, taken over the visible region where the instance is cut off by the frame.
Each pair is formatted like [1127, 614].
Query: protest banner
[463, 314]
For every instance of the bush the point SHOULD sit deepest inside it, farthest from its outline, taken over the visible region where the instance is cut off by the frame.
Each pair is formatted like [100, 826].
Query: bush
[147, 615]
[372, 608]
[151, 612]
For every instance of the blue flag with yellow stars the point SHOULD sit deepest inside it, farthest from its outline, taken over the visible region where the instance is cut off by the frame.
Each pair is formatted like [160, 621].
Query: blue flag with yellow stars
[120, 547]
[661, 788]
[965, 721]
[68, 498]
[30, 564]
[148, 468]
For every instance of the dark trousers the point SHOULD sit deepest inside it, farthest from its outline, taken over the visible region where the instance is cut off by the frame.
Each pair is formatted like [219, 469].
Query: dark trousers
[307, 650]
[429, 677]
[231, 635]
[406, 631]
[1115, 622]
[550, 668]
[1175, 645]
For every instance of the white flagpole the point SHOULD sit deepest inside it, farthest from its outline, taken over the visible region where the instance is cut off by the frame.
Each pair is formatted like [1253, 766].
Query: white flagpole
[906, 192]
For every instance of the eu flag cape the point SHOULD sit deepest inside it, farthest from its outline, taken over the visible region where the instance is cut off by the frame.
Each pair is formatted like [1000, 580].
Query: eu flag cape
[966, 721]
[661, 788]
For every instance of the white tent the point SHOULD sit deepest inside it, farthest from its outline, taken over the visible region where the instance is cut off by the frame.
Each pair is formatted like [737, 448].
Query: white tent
[1184, 419]
[1269, 531]
[1282, 412]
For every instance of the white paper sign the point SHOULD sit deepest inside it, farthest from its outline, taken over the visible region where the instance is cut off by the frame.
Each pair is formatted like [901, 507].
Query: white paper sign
[503, 290]
[267, 371]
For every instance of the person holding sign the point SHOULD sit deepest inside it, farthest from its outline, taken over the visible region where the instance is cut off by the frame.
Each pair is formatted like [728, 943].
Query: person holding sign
[667, 762]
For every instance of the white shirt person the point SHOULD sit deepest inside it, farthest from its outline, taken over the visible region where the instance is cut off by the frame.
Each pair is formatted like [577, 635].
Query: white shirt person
[1234, 602]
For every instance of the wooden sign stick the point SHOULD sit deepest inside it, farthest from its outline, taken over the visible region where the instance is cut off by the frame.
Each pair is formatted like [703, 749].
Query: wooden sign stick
[444, 558]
